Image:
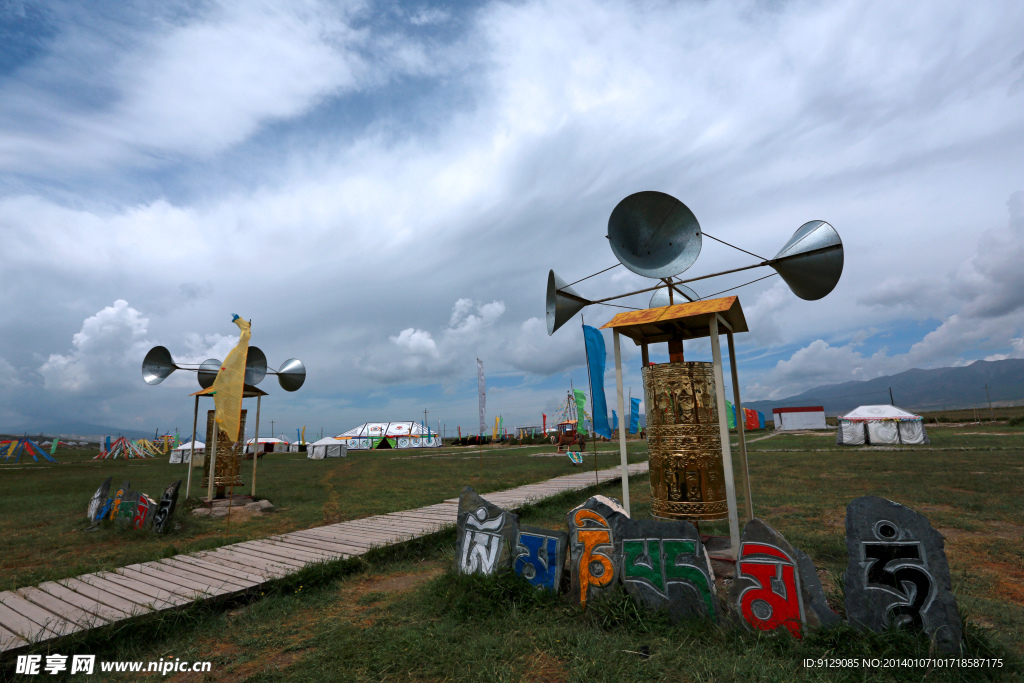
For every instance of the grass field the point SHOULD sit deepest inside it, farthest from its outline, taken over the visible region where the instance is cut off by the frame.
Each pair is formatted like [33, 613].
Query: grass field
[42, 506]
[400, 614]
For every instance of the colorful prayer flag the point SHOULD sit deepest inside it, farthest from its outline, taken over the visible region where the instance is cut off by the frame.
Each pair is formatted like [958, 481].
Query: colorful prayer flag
[596, 358]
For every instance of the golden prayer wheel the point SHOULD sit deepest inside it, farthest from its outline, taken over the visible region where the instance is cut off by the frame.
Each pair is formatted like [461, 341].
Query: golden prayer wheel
[684, 442]
[229, 456]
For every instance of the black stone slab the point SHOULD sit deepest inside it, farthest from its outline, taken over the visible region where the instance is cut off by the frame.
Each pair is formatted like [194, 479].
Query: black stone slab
[898, 576]
[540, 556]
[98, 500]
[664, 566]
[165, 509]
[593, 560]
[777, 587]
[487, 535]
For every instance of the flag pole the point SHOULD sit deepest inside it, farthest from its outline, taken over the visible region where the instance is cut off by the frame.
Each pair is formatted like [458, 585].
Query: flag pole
[593, 408]
[623, 459]
[256, 447]
[192, 454]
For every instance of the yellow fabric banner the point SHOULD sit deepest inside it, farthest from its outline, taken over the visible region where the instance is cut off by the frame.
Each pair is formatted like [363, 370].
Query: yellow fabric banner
[230, 383]
[494, 434]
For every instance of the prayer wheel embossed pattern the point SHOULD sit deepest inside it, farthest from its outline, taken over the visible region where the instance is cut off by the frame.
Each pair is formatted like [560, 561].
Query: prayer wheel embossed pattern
[684, 442]
[229, 456]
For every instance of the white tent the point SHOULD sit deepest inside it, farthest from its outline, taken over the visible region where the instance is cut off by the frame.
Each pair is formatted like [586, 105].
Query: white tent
[268, 444]
[880, 425]
[803, 417]
[327, 448]
[183, 453]
[390, 435]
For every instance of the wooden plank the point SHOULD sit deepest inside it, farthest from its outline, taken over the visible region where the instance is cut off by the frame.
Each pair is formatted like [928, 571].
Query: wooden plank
[292, 562]
[278, 568]
[112, 597]
[117, 587]
[314, 552]
[371, 537]
[106, 612]
[308, 556]
[10, 640]
[343, 551]
[22, 626]
[351, 548]
[67, 610]
[243, 572]
[172, 594]
[48, 623]
[205, 586]
[213, 577]
[408, 527]
[355, 541]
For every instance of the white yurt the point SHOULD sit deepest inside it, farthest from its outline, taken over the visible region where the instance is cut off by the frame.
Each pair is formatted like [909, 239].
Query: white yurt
[371, 435]
[183, 453]
[269, 444]
[880, 425]
[328, 447]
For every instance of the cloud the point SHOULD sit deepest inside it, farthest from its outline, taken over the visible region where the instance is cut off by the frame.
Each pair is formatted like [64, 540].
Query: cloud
[103, 351]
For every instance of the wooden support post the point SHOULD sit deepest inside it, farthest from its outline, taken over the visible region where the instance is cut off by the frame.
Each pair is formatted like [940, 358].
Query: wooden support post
[192, 454]
[645, 358]
[740, 426]
[256, 447]
[623, 460]
[213, 461]
[723, 425]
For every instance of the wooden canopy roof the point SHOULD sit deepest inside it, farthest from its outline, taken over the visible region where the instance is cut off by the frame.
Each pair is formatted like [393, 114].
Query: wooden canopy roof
[681, 321]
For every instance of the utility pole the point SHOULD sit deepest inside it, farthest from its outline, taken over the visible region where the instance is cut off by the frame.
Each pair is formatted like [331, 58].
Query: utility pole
[426, 425]
[990, 411]
[271, 429]
[891, 401]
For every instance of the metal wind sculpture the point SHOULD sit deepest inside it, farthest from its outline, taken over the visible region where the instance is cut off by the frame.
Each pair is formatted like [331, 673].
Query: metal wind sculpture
[158, 366]
[657, 236]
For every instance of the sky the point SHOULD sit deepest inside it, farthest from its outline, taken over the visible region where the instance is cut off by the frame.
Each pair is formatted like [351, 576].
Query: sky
[382, 188]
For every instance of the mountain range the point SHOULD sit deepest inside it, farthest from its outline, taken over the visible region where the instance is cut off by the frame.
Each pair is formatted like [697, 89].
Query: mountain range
[920, 390]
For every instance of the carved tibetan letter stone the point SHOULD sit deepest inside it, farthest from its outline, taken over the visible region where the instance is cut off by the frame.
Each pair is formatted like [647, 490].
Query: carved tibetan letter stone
[165, 509]
[593, 562]
[776, 585]
[98, 500]
[487, 535]
[898, 575]
[664, 567]
[540, 556]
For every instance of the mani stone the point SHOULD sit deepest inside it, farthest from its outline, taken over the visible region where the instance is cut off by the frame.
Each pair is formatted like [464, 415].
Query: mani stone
[126, 508]
[487, 535]
[117, 498]
[664, 567]
[165, 508]
[540, 556]
[98, 499]
[898, 576]
[593, 562]
[776, 585]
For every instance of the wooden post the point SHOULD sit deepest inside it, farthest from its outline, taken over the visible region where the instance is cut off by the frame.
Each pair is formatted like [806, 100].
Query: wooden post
[623, 460]
[213, 461]
[723, 427]
[256, 447]
[645, 358]
[192, 455]
[740, 426]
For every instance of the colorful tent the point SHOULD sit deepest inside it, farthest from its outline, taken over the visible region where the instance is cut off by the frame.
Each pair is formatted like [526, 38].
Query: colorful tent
[122, 448]
[390, 435]
[760, 420]
[880, 425]
[18, 447]
[750, 419]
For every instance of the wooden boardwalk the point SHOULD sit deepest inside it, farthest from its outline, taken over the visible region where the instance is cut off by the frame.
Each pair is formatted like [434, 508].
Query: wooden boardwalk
[58, 608]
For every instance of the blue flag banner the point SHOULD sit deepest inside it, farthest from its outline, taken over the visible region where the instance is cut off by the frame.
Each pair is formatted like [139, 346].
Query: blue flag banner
[596, 357]
[615, 420]
[634, 415]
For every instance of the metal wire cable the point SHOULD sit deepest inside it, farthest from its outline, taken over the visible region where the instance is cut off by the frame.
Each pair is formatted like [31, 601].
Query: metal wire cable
[738, 286]
[590, 276]
[733, 246]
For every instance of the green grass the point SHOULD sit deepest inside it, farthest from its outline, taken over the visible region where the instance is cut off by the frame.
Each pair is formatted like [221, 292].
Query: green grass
[400, 614]
[43, 506]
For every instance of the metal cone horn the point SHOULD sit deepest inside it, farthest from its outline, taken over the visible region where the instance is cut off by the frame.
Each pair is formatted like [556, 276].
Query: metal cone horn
[208, 372]
[255, 366]
[811, 262]
[291, 375]
[654, 234]
[157, 365]
[562, 302]
[660, 297]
